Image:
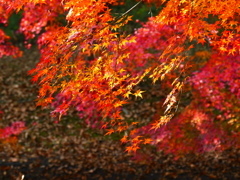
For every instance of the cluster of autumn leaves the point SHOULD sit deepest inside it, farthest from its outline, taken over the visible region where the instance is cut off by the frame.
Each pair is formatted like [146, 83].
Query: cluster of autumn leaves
[90, 65]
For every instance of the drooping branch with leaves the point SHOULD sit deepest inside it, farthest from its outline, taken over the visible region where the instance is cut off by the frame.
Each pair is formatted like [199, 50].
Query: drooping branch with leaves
[88, 62]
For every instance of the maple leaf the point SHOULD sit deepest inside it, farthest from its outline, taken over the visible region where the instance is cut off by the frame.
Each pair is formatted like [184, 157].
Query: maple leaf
[116, 115]
[147, 141]
[134, 131]
[121, 128]
[138, 93]
[136, 140]
[134, 123]
[232, 51]
[119, 103]
[133, 149]
[129, 149]
[104, 126]
[126, 95]
[110, 131]
[202, 41]
[124, 139]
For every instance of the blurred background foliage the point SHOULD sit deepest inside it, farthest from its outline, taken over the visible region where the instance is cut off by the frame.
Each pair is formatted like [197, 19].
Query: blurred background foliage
[12, 27]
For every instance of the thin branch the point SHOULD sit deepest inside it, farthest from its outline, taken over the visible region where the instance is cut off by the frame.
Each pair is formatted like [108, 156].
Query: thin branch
[131, 8]
[119, 17]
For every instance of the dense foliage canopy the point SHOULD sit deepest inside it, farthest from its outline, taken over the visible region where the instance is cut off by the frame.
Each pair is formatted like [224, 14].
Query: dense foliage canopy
[90, 61]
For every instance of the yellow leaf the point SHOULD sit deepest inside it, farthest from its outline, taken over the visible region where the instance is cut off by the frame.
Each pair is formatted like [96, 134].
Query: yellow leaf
[138, 93]
[127, 94]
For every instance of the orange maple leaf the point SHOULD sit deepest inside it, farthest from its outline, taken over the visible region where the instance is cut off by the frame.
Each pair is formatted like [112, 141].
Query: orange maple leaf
[124, 139]
[134, 123]
[119, 103]
[130, 149]
[147, 141]
[110, 131]
[104, 126]
[135, 148]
